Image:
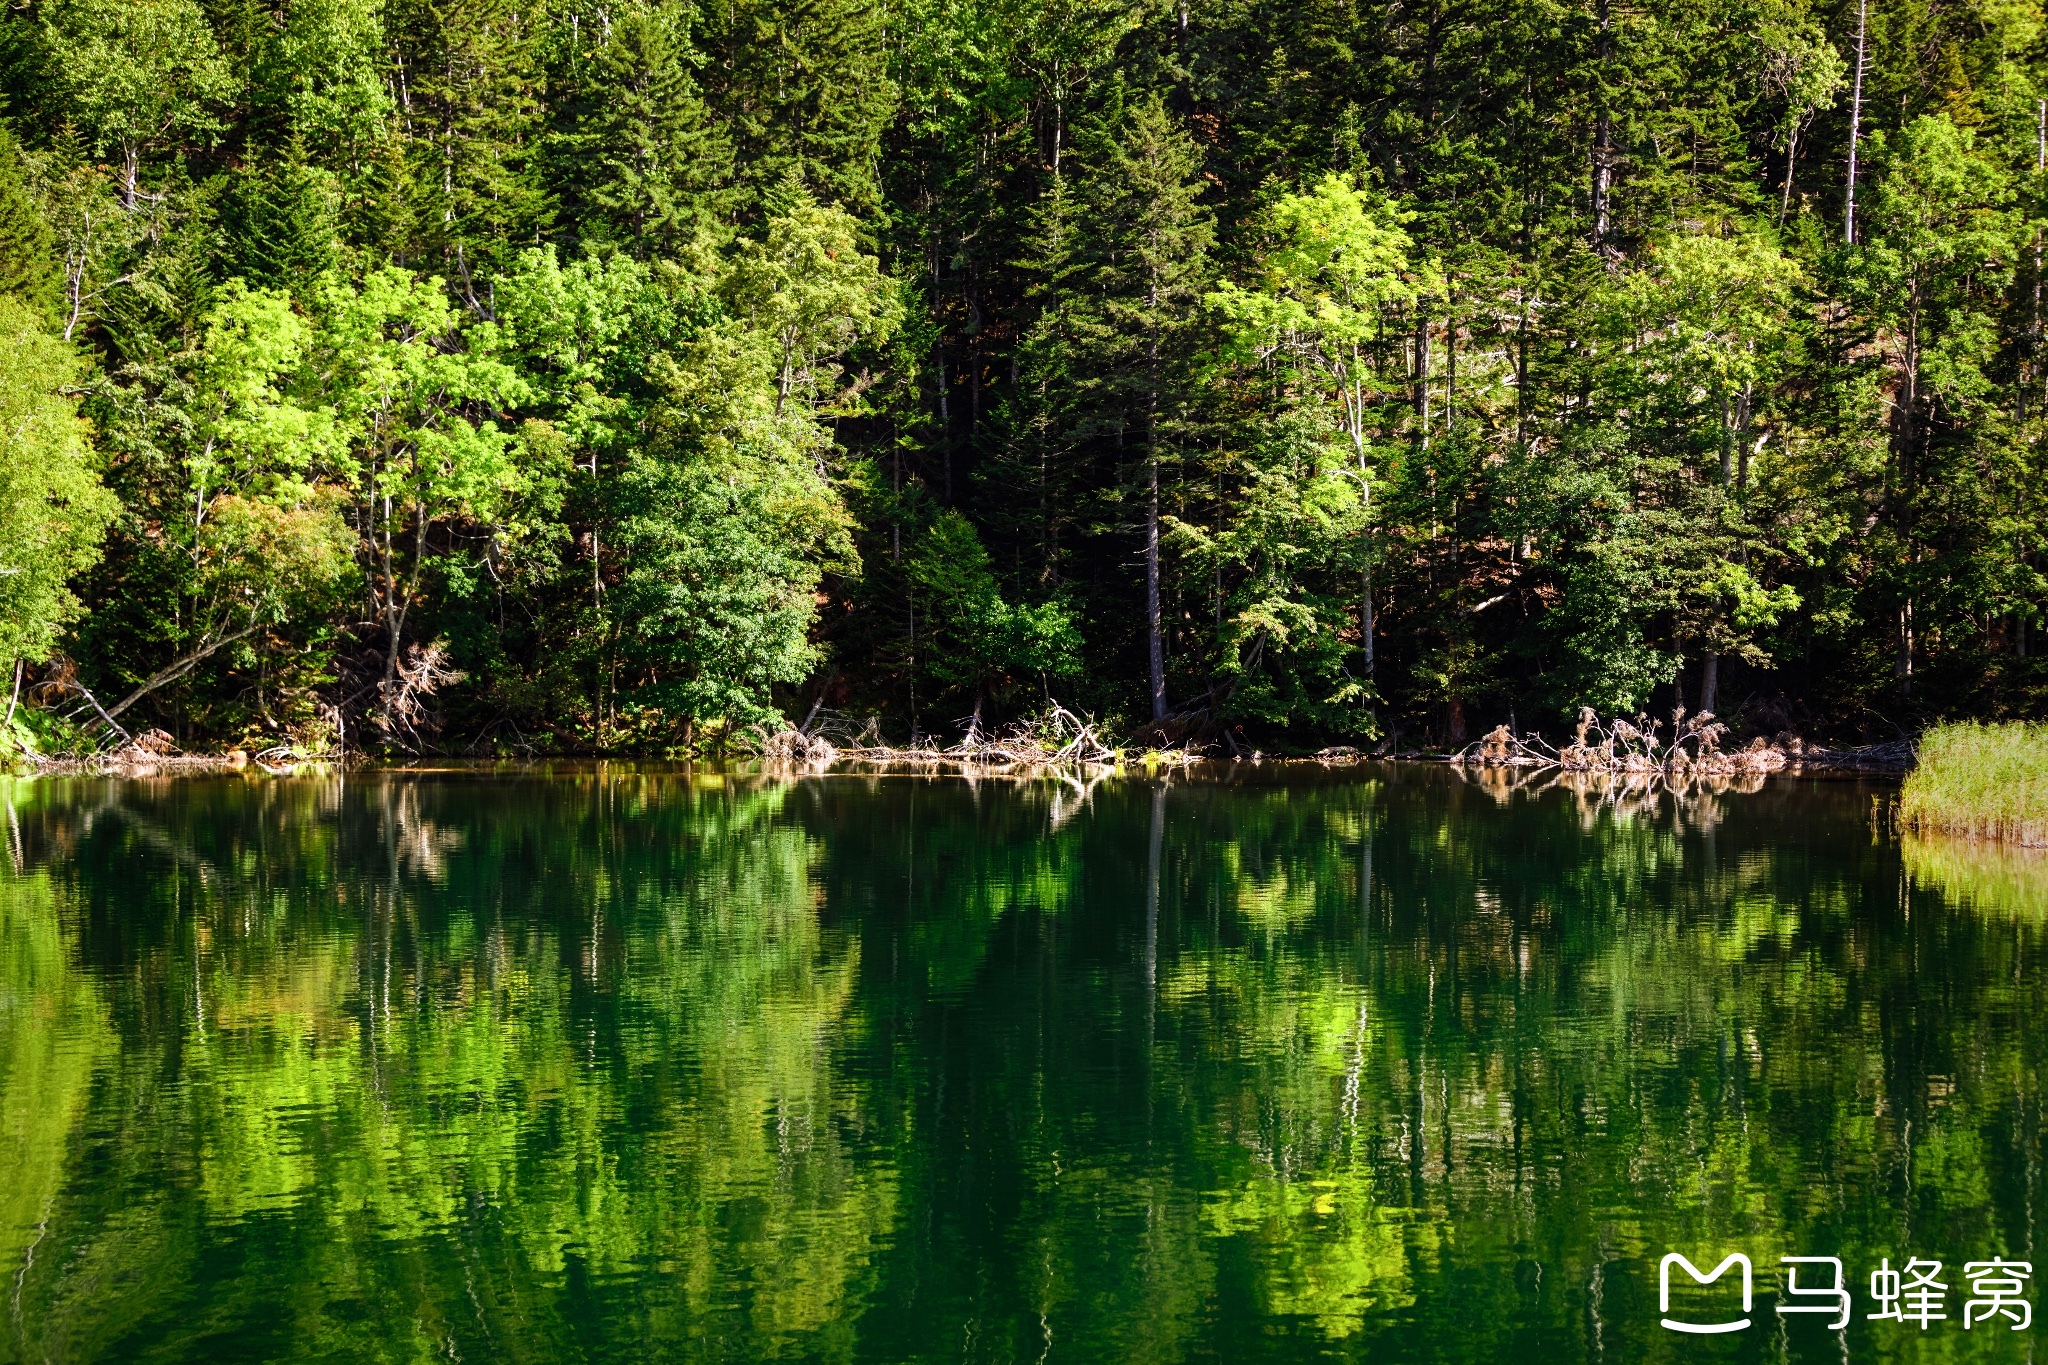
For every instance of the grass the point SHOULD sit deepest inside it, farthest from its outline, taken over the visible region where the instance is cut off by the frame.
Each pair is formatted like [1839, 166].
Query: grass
[1985, 781]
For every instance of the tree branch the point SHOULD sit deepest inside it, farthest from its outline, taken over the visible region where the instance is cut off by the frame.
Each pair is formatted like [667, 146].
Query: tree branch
[172, 673]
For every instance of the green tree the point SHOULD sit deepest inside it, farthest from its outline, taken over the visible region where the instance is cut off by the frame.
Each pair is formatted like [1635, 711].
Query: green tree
[28, 249]
[1711, 323]
[53, 509]
[1939, 244]
[471, 118]
[975, 642]
[282, 222]
[730, 516]
[418, 395]
[321, 76]
[803, 90]
[808, 289]
[138, 77]
[639, 161]
[1336, 263]
[1136, 318]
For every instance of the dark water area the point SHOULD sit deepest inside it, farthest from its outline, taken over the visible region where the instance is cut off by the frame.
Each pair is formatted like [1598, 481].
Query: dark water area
[1387, 1064]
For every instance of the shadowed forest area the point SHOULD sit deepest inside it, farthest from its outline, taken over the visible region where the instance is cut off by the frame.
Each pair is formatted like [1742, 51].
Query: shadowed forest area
[575, 376]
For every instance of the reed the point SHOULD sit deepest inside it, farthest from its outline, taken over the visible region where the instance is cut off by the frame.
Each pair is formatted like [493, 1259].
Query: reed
[1986, 781]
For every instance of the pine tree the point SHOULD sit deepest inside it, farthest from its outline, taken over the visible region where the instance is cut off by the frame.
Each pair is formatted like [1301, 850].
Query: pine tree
[281, 223]
[637, 160]
[28, 253]
[804, 86]
[470, 88]
[1135, 315]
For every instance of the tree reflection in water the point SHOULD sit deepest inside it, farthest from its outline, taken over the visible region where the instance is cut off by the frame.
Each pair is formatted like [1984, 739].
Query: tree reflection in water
[603, 1062]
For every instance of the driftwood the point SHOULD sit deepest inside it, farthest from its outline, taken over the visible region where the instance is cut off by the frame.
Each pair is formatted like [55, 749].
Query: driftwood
[1638, 746]
[1619, 788]
[1894, 757]
[153, 752]
[1622, 746]
[1057, 740]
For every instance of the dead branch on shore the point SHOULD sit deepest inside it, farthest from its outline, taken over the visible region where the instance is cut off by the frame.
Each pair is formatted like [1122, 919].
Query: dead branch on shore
[154, 753]
[1057, 740]
[1623, 746]
[423, 671]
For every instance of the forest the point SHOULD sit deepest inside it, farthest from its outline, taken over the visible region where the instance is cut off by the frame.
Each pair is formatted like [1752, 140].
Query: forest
[473, 376]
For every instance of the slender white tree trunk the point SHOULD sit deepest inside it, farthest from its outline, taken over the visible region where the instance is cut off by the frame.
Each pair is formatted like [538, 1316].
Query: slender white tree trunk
[1855, 122]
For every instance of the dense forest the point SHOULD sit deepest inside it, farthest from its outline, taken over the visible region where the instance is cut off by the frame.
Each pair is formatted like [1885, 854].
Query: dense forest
[463, 374]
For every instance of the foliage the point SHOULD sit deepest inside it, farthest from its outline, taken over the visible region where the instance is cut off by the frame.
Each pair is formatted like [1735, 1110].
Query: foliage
[975, 641]
[1303, 373]
[52, 507]
[28, 262]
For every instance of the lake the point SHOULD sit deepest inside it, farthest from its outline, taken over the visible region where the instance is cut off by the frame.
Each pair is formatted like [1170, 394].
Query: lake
[1388, 1063]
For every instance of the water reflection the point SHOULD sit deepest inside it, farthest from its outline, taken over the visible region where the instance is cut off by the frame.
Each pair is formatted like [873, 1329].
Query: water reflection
[602, 1063]
[1987, 876]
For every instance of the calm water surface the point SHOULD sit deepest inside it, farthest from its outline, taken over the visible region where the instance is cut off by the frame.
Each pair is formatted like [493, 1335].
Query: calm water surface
[634, 1064]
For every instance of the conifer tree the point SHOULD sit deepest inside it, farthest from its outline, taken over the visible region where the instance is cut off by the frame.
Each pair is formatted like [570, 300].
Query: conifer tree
[470, 89]
[637, 160]
[281, 221]
[1136, 317]
[803, 86]
[28, 257]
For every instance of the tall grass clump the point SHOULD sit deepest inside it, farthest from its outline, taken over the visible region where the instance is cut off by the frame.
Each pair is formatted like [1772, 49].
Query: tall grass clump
[1989, 781]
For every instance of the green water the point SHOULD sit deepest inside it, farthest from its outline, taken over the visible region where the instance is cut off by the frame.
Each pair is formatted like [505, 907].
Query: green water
[627, 1064]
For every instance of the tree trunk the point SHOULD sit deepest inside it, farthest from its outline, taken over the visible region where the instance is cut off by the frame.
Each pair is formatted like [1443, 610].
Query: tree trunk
[1450, 371]
[2034, 323]
[1368, 625]
[1155, 643]
[1603, 143]
[178, 668]
[1791, 159]
[1855, 123]
[1422, 374]
[1902, 667]
[1727, 444]
[945, 429]
[1710, 682]
[392, 624]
